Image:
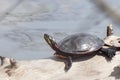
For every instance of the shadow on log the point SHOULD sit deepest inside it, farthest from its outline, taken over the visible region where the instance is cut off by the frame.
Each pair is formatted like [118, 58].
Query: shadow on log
[116, 73]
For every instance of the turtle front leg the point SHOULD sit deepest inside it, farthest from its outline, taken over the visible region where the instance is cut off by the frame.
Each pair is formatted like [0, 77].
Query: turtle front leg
[68, 64]
[109, 52]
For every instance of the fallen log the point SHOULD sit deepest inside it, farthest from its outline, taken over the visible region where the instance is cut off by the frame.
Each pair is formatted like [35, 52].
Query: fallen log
[85, 68]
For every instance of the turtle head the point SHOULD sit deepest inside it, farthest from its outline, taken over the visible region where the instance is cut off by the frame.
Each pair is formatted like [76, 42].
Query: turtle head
[50, 40]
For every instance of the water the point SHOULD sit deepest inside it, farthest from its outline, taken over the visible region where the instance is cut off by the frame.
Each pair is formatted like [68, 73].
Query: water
[22, 30]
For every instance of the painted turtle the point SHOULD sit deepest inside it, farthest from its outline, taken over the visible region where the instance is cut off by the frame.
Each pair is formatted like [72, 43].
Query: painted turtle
[78, 44]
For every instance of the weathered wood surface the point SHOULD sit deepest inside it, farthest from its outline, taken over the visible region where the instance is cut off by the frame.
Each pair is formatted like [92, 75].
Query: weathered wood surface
[111, 39]
[95, 68]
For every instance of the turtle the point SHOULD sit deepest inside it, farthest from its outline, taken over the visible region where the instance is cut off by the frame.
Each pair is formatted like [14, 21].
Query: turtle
[78, 44]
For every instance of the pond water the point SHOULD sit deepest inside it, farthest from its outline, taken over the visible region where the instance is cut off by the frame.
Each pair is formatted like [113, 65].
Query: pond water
[22, 30]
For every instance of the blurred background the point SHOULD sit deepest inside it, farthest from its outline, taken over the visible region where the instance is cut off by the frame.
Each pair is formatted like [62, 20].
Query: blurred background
[24, 22]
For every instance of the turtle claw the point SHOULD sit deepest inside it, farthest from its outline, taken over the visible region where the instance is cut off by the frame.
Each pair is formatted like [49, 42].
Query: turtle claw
[109, 52]
[67, 67]
[68, 64]
[111, 55]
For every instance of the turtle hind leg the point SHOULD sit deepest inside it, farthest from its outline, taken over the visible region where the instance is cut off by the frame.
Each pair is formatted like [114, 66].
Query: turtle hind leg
[109, 52]
[68, 64]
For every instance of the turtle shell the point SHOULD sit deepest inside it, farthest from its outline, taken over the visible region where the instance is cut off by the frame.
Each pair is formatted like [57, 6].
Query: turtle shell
[80, 43]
